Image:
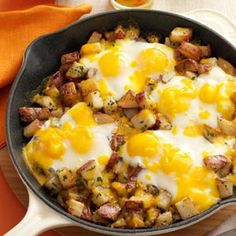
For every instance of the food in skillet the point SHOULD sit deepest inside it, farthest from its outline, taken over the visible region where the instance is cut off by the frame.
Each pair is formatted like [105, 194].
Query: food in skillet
[134, 133]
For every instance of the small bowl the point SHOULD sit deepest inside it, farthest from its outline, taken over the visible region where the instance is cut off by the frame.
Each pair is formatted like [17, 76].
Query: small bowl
[116, 5]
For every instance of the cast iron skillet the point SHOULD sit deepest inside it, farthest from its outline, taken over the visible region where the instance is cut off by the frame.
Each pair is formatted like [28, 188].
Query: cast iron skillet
[42, 58]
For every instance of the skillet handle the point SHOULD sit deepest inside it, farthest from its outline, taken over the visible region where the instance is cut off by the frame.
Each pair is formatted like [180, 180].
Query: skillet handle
[38, 218]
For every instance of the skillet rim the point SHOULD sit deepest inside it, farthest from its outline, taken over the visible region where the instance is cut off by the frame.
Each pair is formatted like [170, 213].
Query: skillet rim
[83, 223]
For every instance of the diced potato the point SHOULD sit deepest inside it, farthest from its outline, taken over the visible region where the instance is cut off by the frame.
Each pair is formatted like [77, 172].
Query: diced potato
[70, 57]
[226, 126]
[164, 219]
[75, 207]
[205, 51]
[51, 91]
[29, 114]
[225, 187]
[130, 112]
[67, 178]
[87, 86]
[119, 223]
[110, 105]
[91, 48]
[151, 217]
[186, 208]
[190, 51]
[162, 122]
[102, 118]
[94, 100]
[153, 38]
[135, 220]
[128, 100]
[101, 195]
[57, 113]
[95, 37]
[88, 170]
[212, 61]
[76, 71]
[180, 34]
[144, 120]
[120, 188]
[69, 94]
[132, 32]
[210, 133]
[164, 200]
[45, 101]
[226, 66]
[53, 184]
[32, 128]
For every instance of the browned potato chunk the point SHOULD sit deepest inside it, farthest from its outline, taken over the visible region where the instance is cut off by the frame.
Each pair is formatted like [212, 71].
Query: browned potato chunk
[87, 86]
[75, 207]
[102, 118]
[132, 32]
[95, 37]
[164, 219]
[226, 66]
[57, 113]
[120, 223]
[153, 38]
[187, 65]
[164, 200]
[226, 126]
[190, 51]
[70, 57]
[180, 34]
[32, 128]
[205, 51]
[186, 208]
[51, 91]
[29, 114]
[225, 187]
[135, 219]
[69, 94]
[144, 120]
[151, 217]
[128, 100]
[162, 122]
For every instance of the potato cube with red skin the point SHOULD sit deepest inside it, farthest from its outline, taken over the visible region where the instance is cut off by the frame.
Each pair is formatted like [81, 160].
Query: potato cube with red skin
[29, 114]
[128, 100]
[87, 171]
[144, 120]
[186, 208]
[109, 211]
[57, 79]
[117, 140]
[114, 158]
[225, 187]
[180, 34]
[190, 51]
[31, 129]
[70, 57]
[69, 94]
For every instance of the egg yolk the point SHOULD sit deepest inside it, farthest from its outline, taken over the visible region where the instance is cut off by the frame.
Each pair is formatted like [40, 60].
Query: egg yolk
[110, 63]
[104, 89]
[204, 114]
[152, 60]
[207, 93]
[143, 144]
[199, 184]
[193, 130]
[174, 100]
[138, 81]
[81, 139]
[173, 160]
[82, 114]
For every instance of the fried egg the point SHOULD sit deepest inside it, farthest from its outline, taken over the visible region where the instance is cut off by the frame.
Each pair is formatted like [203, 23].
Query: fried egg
[128, 64]
[75, 140]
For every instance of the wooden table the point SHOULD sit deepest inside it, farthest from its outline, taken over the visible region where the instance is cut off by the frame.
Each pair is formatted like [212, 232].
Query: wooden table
[226, 7]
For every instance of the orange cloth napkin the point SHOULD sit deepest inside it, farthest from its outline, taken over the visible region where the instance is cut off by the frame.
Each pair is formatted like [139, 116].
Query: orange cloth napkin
[17, 30]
